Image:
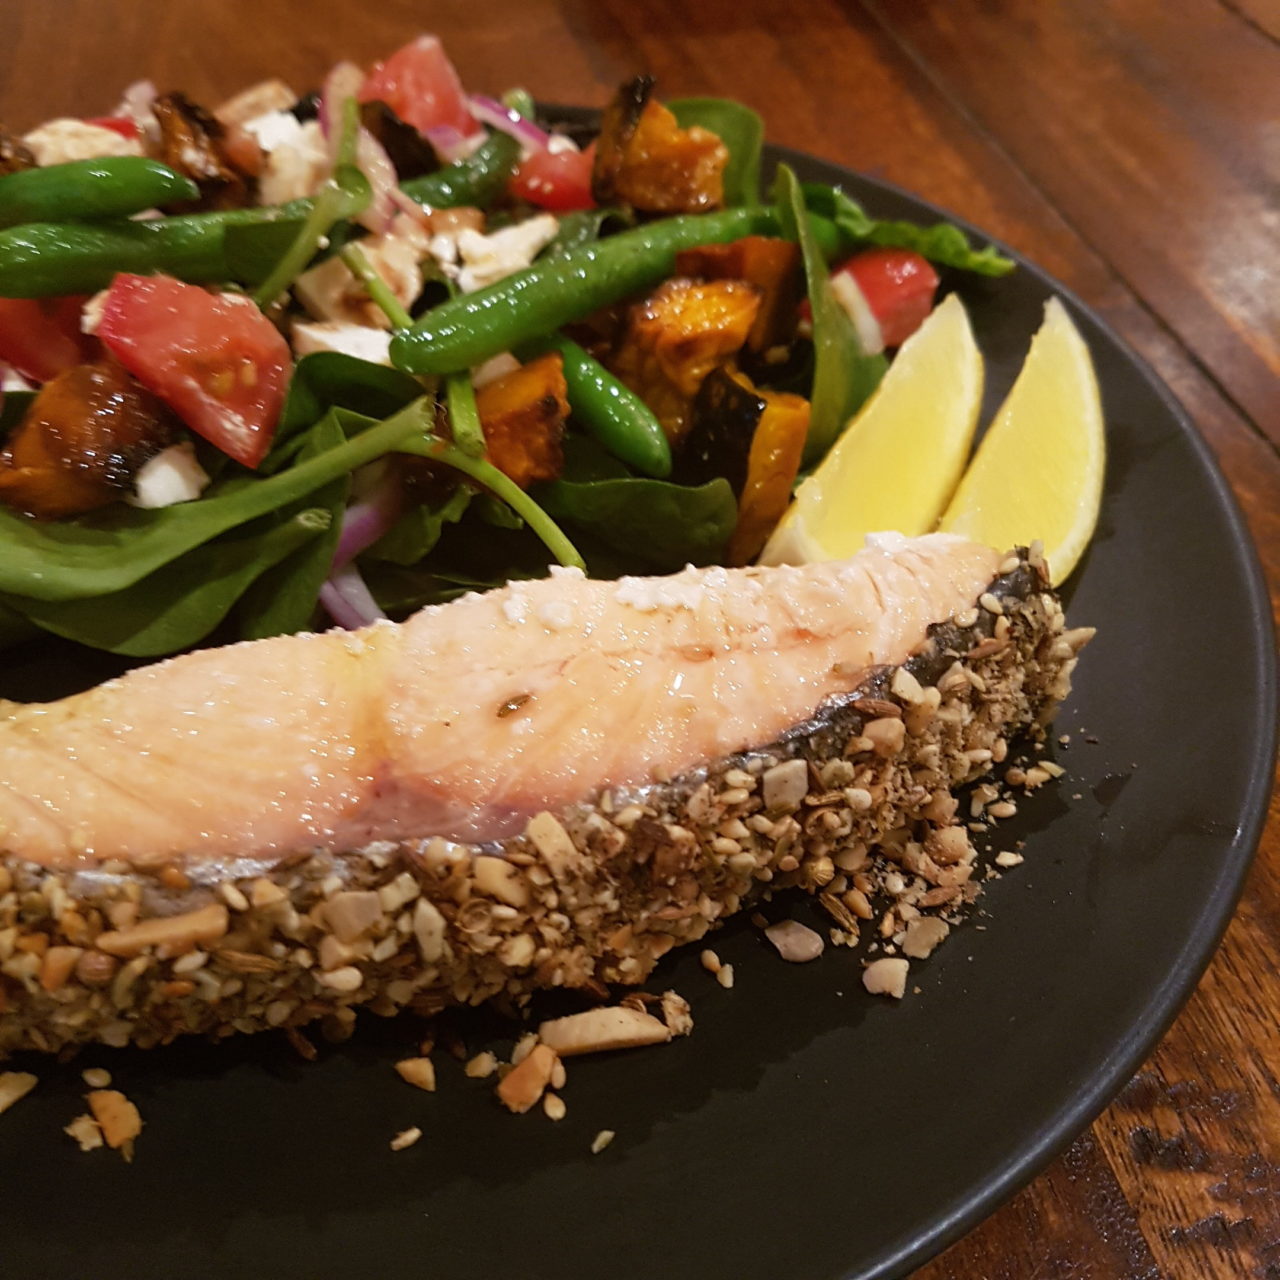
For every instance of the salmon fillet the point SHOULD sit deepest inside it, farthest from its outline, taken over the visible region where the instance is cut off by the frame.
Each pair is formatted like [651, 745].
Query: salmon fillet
[468, 719]
[549, 784]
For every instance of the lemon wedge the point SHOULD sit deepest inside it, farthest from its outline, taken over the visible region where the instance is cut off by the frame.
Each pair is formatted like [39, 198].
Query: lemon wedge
[1038, 470]
[898, 461]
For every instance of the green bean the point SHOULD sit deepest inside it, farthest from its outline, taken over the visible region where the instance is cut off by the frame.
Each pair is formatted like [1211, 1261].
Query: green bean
[611, 411]
[478, 179]
[42, 259]
[467, 330]
[109, 187]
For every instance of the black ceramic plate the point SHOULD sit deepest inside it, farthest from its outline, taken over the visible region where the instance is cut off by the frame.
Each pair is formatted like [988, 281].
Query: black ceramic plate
[805, 1130]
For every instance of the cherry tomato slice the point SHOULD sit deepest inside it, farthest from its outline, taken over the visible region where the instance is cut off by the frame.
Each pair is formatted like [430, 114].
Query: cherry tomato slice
[215, 359]
[40, 337]
[419, 83]
[556, 180]
[123, 125]
[898, 286]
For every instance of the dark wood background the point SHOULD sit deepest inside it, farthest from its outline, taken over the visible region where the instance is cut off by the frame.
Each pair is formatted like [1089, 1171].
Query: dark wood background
[1132, 147]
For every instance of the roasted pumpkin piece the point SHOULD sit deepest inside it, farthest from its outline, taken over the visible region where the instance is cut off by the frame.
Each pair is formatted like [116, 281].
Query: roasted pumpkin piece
[644, 159]
[722, 424]
[772, 265]
[675, 337]
[15, 155]
[774, 463]
[523, 415]
[755, 439]
[218, 158]
[82, 441]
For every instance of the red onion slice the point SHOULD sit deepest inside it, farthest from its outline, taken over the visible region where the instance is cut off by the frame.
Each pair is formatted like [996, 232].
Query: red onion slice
[136, 105]
[348, 601]
[491, 112]
[364, 522]
[341, 83]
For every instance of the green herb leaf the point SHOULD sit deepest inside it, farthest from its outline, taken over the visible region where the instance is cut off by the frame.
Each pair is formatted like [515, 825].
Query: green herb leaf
[843, 374]
[179, 604]
[658, 525]
[742, 132]
[942, 243]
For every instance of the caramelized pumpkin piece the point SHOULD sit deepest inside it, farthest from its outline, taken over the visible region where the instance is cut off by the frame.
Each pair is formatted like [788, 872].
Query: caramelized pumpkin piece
[772, 265]
[755, 439]
[15, 155]
[675, 337]
[644, 159]
[218, 158]
[523, 415]
[82, 441]
[774, 463]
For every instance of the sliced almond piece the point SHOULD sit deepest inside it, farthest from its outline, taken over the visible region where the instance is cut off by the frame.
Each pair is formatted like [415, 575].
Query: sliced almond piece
[595, 1030]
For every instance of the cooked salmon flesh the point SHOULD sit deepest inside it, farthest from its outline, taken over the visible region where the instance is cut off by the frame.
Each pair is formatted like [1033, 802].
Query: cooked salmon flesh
[468, 718]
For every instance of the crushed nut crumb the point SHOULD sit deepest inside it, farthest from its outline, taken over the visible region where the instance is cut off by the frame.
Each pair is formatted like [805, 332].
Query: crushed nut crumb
[405, 1138]
[86, 1132]
[602, 1140]
[14, 1086]
[419, 1072]
[481, 1066]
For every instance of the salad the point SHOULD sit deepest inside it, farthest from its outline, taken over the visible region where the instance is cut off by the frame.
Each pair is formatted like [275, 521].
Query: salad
[301, 360]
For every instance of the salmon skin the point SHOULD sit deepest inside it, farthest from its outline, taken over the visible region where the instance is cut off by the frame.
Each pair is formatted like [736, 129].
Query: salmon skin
[550, 784]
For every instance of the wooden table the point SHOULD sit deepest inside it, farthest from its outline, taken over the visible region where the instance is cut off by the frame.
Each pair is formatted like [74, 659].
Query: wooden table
[1132, 147]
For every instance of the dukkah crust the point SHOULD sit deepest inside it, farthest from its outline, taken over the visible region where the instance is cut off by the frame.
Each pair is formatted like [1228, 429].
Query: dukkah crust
[855, 805]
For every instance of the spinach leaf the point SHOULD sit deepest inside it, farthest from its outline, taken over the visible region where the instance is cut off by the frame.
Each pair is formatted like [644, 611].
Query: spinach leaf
[283, 599]
[70, 559]
[742, 132]
[662, 526]
[328, 379]
[942, 243]
[418, 530]
[843, 374]
[585, 226]
[179, 604]
[252, 249]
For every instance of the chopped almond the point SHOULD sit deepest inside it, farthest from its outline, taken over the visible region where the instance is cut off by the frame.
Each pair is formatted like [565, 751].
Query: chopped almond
[523, 1085]
[419, 1072]
[118, 1119]
[86, 1131]
[15, 1085]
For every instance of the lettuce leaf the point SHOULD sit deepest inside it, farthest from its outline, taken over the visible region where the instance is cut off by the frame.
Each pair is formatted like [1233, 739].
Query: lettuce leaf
[942, 243]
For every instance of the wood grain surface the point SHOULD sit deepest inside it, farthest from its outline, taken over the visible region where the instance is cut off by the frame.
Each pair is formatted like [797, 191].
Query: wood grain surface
[1132, 147]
